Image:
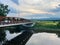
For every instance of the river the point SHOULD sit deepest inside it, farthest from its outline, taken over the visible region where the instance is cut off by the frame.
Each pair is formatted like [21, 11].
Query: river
[44, 39]
[39, 38]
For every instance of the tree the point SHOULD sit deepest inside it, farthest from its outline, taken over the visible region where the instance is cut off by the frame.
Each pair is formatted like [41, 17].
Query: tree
[4, 10]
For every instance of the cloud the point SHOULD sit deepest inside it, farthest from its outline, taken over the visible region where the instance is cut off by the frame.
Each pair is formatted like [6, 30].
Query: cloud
[40, 3]
[31, 7]
[57, 9]
[35, 11]
[9, 3]
[15, 1]
[38, 6]
[12, 10]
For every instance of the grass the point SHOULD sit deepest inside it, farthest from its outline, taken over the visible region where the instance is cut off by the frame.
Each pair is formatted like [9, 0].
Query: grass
[47, 24]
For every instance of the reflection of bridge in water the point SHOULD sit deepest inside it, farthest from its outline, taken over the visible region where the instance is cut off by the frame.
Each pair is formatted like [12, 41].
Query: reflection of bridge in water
[16, 22]
[20, 39]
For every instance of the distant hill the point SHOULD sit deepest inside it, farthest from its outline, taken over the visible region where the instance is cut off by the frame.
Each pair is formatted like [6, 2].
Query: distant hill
[47, 19]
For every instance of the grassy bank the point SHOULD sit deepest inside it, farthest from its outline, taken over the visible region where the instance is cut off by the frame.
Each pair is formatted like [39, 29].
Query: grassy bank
[47, 26]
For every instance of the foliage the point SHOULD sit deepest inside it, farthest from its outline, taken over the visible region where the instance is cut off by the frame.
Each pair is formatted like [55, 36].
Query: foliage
[58, 25]
[48, 24]
[4, 10]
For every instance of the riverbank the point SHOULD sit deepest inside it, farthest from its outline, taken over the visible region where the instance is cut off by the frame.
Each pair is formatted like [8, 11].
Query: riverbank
[47, 26]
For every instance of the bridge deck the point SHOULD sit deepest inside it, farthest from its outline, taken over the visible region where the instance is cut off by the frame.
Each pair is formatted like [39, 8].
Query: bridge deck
[5, 25]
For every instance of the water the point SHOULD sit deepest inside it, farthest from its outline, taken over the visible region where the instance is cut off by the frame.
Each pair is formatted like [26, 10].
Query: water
[7, 35]
[37, 38]
[44, 39]
[14, 36]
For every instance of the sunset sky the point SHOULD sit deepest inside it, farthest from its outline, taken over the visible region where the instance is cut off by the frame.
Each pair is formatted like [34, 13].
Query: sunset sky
[33, 8]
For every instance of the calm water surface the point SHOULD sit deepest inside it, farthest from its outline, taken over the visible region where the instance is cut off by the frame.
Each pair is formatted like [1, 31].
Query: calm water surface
[44, 39]
[41, 38]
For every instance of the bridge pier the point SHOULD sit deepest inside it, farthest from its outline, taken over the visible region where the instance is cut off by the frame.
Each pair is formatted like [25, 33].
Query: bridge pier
[20, 39]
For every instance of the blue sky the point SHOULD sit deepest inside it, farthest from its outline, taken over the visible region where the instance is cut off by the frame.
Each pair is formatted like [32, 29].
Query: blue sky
[33, 8]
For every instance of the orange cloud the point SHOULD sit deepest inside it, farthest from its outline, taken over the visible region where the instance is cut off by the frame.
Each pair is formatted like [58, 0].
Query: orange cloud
[35, 11]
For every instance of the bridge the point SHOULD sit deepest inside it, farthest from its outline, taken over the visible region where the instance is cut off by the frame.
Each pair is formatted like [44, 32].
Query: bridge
[12, 21]
[17, 22]
[5, 25]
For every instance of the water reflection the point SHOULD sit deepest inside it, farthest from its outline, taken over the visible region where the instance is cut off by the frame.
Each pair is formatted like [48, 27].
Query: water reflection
[10, 36]
[13, 36]
[44, 39]
[17, 36]
[6, 35]
[21, 39]
[2, 35]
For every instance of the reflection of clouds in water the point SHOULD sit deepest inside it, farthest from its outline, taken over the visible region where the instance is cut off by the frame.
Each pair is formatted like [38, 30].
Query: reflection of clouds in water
[44, 39]
[10, 36]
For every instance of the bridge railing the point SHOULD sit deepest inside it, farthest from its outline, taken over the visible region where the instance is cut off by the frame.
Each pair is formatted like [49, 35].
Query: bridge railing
[12, 20]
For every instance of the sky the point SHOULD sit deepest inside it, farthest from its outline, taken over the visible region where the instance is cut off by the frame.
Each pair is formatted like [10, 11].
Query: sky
[33, 8]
